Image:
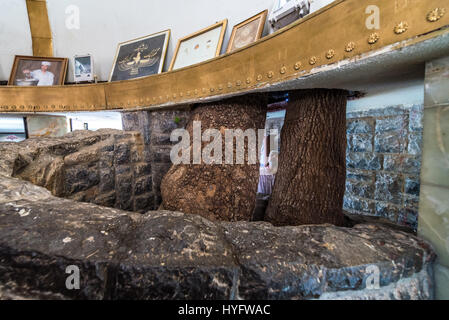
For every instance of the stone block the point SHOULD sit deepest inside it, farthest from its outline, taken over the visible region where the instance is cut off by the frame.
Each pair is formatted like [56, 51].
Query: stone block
[397, 123]
[142, 169]
[360, 189]
[122, 153]
[357, 205]
[412, 185]
[389, 187]
[414, 143]
[388, 211]
[107, 180]
[360, 175]
[402, 163]
[390, 142]
[361, 143]
[416, 118]
[143, 185]
[363, 161]
[359, 126]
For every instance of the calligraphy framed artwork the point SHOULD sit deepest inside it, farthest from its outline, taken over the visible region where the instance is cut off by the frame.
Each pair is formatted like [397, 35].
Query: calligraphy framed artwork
[140, 57]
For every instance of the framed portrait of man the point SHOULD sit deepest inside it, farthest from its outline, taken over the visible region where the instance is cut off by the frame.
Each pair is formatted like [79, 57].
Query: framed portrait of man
[83, 68]
[140, 57]
[199, 46]
[247, 31]
[38, 71]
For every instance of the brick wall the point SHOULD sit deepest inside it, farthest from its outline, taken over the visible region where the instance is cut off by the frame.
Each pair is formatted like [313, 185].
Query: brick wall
[156, 127]
[383, 160]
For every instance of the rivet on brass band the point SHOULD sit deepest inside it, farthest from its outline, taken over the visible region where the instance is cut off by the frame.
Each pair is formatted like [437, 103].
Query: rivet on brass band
[401, 27]
[436, 14]
[350, 47]
[283, 70]
[313, 61]
[238, 83]
[330, 54]
[229, 85]
[270, 74]
[373, 38]
[248, 80]
[212, 89]
[220, 87]
[297, 65]
[259, 77]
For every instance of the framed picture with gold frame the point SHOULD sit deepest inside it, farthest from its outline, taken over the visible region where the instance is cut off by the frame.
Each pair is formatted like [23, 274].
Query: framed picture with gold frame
[140, 57]
[199, 46]
[247, 31]
[38, 71]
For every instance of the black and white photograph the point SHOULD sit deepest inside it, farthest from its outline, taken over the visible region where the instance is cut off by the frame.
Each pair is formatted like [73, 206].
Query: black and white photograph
[83, 68]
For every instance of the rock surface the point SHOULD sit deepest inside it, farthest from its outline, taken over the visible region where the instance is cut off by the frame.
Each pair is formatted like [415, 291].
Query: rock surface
[171, 255]
[105, 167]
[218, 191]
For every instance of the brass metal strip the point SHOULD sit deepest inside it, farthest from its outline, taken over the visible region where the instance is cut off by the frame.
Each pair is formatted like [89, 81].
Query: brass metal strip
[40, 28]
[337, 32]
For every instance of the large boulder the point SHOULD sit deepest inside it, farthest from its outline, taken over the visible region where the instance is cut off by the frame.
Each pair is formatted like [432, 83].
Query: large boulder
[172, 255]
[218, 191]
[104, 167]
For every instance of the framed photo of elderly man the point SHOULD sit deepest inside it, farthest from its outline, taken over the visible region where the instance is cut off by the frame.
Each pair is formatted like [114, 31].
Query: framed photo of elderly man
[38, 71]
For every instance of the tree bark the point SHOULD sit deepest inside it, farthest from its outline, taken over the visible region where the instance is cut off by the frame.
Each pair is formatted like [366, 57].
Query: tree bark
[225, 192]
[310, 181]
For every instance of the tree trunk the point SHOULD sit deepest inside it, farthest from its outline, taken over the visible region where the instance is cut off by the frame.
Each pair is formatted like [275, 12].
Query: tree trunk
[216, 191]
[310, 181]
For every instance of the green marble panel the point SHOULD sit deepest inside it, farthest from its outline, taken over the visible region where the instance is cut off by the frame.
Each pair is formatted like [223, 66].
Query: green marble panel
[435, 164]
[437, 82]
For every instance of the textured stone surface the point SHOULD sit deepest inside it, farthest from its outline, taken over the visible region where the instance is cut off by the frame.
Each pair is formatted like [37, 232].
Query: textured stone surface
[171, 255]
[155, 128]
[102, 167]
[384, 162]
[218, 191]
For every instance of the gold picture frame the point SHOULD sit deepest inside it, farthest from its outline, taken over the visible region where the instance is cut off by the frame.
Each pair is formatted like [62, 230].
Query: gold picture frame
[54, 73]
[132, 50]
[187, 45]
[254, 34]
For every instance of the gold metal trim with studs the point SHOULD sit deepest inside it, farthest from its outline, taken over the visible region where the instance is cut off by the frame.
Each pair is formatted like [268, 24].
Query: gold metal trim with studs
[401, 27]
[436, 14]
[330, 54]
[373, 38]
[285, 47]
[350, 46]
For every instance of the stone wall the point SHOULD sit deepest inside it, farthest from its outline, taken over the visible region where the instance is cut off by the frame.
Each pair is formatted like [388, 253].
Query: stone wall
[156, 127]
[383, 162]
[105, 167]
[171, 255]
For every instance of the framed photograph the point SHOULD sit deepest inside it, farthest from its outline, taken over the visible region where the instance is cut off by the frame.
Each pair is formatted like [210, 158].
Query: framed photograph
[247, 31]
[38, 71]
[83, 68]
[199, 46]
[140, 57]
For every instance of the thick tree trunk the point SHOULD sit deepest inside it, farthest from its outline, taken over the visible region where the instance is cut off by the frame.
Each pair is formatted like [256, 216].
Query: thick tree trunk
[223, 191]
[310, 181]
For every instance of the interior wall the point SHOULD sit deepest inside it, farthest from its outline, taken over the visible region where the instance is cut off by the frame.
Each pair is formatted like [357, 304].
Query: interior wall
[15, 35]
[103, 24]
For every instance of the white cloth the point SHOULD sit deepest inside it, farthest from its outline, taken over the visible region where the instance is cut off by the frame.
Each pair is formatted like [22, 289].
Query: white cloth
[45, 78]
